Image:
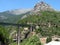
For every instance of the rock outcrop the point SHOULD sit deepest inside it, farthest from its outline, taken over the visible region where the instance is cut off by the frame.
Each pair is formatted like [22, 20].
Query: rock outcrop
[42, 6]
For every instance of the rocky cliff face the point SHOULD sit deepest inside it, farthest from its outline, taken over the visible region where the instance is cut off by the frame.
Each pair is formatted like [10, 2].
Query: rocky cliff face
[42, 6]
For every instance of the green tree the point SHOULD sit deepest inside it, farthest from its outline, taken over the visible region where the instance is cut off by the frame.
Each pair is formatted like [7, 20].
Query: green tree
[4, 35]
[49, 39]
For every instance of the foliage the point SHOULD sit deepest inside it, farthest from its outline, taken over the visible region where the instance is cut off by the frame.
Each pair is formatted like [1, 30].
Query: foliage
[4, 35]
[49, 39]
[34, 40]
[43, 20]
[38, 30]
[5, 32]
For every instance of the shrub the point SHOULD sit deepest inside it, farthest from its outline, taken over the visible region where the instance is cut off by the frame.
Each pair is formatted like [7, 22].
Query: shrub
[49, 39]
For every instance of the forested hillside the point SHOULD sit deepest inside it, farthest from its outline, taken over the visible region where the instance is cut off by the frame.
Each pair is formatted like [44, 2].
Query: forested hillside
[48, 21]
[43, 21]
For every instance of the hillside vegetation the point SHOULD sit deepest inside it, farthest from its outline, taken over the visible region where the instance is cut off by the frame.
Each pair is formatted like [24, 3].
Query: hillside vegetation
[33, 40]
[48, 22]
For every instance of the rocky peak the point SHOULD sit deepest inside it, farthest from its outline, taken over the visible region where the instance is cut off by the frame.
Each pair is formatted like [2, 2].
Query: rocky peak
[42, 6]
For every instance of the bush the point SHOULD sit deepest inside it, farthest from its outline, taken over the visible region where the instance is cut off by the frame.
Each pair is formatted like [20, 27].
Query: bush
[4, 35]
[33, 40]
[49, 39]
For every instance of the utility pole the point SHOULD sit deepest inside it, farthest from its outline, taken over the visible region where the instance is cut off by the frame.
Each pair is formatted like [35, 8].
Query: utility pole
[18, 36]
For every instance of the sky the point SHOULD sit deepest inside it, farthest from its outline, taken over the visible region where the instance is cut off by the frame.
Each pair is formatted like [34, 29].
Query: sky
[24, 4]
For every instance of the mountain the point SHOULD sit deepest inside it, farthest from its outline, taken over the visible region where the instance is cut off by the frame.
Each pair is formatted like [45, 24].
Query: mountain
[19, 11]
[42, 6]
[13, 16]
[48, 20]
[44, 19]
